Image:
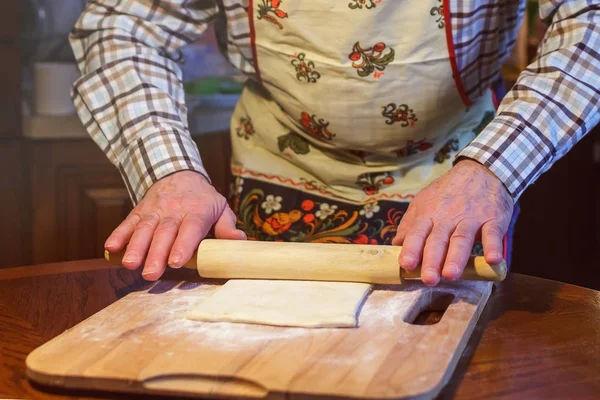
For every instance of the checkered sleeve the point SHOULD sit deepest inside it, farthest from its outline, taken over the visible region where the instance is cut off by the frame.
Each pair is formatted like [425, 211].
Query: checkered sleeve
[130, 95]
[554, 103]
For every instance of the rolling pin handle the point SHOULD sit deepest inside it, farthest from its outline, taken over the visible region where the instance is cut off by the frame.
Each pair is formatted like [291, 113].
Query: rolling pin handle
[475, 270]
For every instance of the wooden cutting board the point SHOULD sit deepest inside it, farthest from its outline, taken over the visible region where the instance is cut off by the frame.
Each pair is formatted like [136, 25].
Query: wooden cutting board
[143, 344]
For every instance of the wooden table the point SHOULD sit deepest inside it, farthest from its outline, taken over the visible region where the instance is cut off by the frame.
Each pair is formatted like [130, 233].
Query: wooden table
[535, 339]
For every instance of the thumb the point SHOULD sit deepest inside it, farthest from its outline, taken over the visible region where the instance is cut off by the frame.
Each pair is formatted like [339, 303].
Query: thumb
[225, 228]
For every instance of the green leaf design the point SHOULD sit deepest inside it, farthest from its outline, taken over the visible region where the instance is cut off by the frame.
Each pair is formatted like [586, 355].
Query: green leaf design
[298, 238]
[345, 232]
[284, 141]
[295, 142]
[247, 210]
[366, 70]
[328, 223]
[299, 145]
[385, 60]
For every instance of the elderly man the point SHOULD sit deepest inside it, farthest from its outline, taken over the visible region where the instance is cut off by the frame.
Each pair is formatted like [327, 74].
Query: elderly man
[362, 121]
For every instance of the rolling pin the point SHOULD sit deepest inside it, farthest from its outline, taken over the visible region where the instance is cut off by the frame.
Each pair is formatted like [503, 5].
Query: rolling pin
[376, 264]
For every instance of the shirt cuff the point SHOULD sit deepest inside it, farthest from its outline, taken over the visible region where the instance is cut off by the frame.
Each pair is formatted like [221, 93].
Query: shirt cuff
[154, 156]
[515, 153]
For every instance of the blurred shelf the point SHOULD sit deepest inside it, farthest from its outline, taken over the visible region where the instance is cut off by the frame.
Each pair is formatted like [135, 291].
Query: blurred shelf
[210, 114]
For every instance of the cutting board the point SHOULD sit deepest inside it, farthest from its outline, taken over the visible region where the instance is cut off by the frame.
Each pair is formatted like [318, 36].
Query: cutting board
[143, 344]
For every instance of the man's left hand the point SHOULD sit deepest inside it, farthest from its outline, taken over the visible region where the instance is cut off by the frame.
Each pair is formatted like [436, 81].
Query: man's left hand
[444, 219]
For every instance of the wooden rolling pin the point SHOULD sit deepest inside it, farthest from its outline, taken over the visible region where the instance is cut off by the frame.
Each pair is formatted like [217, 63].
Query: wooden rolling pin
[245, 259]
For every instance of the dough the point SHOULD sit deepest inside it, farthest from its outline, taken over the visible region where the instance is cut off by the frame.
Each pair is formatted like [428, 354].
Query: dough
[284, 303]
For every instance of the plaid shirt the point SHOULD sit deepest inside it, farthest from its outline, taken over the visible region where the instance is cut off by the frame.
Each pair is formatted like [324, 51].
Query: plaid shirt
[131, 100]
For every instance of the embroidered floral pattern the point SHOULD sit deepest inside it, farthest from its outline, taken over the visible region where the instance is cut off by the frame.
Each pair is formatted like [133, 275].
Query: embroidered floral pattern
[268, 7]
[271, 203]
[402, 114]
[315, 220]
[326, 224]
[305, 69]
[367, 60]
[313, 185]
[297, 220]
[439, 13]
[317, 127]
[443, 154]
[325, 210]
[413, 147]
[295, 142]
[361, 238]
[360, 4]
[372, 183]
[245, 130]
[369, 209]
[238, 184]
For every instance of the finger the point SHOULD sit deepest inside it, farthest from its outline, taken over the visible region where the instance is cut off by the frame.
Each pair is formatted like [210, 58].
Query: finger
[459, 249]
[164, 236]
[122, 233]
[434, 253]
[140, 241]
[193, 229]
[491, 238]
[412, 249]
[405, 224]
[225, 228]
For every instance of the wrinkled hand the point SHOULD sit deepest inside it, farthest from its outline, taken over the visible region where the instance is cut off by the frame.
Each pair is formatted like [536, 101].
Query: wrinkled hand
[444, 219]
[167, 225]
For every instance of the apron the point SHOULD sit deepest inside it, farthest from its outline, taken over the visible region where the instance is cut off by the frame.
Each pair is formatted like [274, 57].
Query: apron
[352, 111]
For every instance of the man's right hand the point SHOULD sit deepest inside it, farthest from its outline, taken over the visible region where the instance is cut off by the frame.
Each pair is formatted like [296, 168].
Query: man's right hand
[167, 225]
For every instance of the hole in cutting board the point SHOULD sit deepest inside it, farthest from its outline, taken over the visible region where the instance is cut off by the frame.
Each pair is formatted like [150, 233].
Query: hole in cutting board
[430, 308]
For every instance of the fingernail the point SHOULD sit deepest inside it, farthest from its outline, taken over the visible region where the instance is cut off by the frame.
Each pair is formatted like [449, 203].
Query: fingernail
[131, 256]
[452, 269]
[496, 255]
[110, 244]
[407, 261]
[150, 269]
[175, 259]
[430, 277]
[146, 274]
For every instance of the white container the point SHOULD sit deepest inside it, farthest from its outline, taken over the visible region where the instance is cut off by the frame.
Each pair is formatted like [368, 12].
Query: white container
[52, 88]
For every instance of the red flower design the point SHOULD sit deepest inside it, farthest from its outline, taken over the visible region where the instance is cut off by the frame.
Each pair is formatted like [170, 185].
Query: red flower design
[402, 114]
[379, 46]
[367, 60]
[361, 238]
[355, 56]
[316, 127]
[308, 205]
[245, 129]
[281, 14]
[308, 218]
[271, 6]
[305, 69]
[413, 147]
[370, 189]
[372, 183]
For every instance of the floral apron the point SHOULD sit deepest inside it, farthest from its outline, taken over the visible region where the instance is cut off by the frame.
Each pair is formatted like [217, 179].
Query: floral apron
[353, 110]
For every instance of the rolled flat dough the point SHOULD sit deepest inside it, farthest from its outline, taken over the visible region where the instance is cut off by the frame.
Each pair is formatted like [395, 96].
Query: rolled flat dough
[284, 303]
